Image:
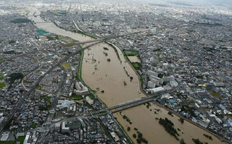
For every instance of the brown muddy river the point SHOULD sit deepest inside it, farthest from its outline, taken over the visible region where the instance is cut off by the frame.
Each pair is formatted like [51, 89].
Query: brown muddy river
[100, 74]
[114, 78]
[145, 121]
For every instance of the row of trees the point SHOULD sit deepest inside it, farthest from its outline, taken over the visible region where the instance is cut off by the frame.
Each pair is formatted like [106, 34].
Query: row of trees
[197, 141]
[208, 136]
[21, 20]
[140, 138]
[169, 127]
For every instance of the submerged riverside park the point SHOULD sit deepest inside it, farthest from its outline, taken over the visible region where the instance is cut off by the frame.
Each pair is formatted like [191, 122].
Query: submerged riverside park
[99, 74]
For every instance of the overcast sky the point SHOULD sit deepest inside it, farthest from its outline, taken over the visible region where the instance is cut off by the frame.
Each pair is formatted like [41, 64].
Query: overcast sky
[211, 2]
[195, 2]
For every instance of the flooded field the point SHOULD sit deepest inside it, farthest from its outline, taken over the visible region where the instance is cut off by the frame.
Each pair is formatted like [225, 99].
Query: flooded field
[104, 70]
[134, 59]
[145, 121]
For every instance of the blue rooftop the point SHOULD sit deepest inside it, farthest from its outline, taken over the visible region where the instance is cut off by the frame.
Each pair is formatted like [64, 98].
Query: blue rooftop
[172, 101]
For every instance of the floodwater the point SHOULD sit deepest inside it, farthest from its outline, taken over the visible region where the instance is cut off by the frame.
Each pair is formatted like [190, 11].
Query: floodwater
[113, 76]
[145, 121]
[134, 59]
[100, 74]
[52, 28]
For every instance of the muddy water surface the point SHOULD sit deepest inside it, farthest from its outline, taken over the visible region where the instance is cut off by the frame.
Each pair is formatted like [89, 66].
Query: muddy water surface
[145, 121]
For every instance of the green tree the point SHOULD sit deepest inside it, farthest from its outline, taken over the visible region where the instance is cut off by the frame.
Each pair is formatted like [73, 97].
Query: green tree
[182, 141]
[140, 135]
[181, 120]
[138, 141]
[170, 113]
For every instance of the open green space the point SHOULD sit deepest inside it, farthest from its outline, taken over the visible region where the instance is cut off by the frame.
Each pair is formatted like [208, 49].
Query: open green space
[199, 76]
[131, 53]
[216, 94]
[43, 108]
[21, 139]
[9, 52]
[7, 142]
[79, 73]
[2, 84]
[1, 78]
[33, 125]
[91, 96]
[69, 47]
[15, 76]
[66, 64]
[136, 65]
[77, 96]
[45, 97]
[53, 37]
[37, 87]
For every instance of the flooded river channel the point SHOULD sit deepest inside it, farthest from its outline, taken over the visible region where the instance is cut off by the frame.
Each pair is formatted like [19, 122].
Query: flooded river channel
[103, 69]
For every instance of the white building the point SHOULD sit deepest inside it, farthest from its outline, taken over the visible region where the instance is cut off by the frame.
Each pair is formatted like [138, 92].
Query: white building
[173, 83]
[152, 73]
[218, 120]
[151, 84]
[64, 129]
[156, 90]
[65, 104]
[5, 136]
[26, 138]
[115, 136]
[57, 126]
[168, 78]
[156, 80]
[80, 89]
[218, 84]
[166, 96]
[89, 100]
[1, 120]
